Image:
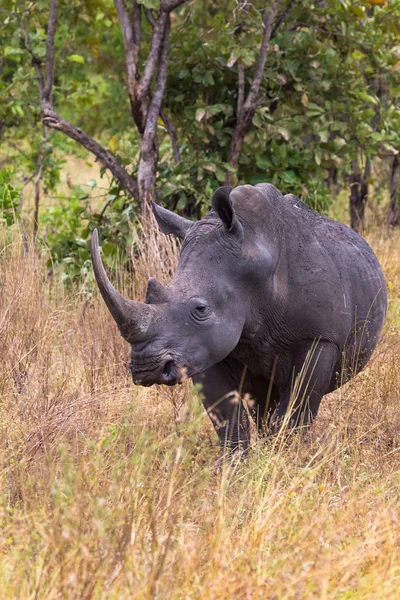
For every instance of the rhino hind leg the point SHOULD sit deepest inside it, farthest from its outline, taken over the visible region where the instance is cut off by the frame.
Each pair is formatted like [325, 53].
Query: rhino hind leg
[311, 377]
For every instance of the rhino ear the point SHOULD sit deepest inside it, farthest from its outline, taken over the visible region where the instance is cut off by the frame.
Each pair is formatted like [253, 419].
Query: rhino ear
[169, 222]
[222, 205]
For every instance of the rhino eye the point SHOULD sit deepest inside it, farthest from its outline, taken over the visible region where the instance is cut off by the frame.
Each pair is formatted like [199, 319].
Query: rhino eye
[200, 311]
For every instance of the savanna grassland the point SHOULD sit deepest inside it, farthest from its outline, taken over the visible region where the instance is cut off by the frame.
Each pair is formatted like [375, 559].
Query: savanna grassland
[108, 490]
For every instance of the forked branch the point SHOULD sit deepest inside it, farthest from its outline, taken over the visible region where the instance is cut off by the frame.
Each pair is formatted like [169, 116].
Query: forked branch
[53, 120]
[247, 106]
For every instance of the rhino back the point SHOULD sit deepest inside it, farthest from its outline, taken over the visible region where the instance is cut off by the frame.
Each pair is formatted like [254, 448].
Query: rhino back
[328, 283]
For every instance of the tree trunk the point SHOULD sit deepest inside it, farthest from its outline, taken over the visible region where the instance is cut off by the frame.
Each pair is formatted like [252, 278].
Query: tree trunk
[246, 107]
[145, 98]
[359, 195]
[147, 169]
[38, 178]
[332, 181]
[393, 217]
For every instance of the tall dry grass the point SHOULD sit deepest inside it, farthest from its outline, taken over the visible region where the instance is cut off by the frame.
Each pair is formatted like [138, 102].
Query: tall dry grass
[108, 490]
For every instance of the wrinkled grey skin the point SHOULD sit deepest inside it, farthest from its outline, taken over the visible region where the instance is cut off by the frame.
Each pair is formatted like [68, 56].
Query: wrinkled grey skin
[261, 281]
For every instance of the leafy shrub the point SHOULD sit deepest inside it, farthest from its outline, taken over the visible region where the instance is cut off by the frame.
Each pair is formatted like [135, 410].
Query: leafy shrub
[68, 227]
[9, 197]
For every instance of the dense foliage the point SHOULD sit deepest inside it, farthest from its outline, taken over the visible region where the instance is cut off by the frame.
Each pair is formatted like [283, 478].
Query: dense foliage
[327, 103]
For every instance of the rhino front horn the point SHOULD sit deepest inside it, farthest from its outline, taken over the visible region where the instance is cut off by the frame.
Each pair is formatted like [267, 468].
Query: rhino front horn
[133, 318]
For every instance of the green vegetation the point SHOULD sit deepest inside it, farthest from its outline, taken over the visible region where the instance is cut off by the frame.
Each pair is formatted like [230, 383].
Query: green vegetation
[304, 95]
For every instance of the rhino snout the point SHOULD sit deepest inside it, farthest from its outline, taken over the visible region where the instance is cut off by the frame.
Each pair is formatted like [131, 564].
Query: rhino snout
[167, 372]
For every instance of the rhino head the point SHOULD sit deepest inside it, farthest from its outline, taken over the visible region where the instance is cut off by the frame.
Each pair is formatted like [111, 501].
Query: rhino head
[197, 320]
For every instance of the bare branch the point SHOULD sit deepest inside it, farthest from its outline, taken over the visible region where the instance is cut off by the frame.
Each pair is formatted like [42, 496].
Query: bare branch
[172, 134]
[268, 22]
[393, 217]
[131, 35]
[241, 85]
[49, 65]
[157, 98]
[136, 23]
[154, 54]
[55, 121]
[149, 16]
[38, 177]
[169, 5]
[282, 17]
[149, 147]
[159, 28]
[249, 106]
[107, 204]
[131, 45]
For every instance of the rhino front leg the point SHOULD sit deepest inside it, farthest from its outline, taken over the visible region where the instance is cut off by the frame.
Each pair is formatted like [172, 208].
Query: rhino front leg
[224, 405]
[311, 377]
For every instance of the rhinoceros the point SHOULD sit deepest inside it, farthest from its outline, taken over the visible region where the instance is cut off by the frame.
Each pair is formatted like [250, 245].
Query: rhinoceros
[268, 295]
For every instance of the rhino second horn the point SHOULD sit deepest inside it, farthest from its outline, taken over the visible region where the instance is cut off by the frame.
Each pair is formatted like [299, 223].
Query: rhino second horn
[133, 318]
[156, 292]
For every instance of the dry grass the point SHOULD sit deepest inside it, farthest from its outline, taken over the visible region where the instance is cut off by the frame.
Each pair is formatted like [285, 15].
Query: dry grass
[107, 494]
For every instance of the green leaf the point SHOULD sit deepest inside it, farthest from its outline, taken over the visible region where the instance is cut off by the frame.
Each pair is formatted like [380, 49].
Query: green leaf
[257, 121]
[76, 58]
[368, 97]
[263, 163]
[181, 203]
[208, 79]
[220, 173]
[229, 168]
[315, 107]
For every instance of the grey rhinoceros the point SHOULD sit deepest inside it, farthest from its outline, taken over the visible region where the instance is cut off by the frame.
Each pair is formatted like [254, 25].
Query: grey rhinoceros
[265, 289]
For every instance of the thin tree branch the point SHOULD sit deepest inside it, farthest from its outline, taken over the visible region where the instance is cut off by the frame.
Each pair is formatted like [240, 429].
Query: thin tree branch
[282, 17]
[49, 64]
[172, 134]
[153, 57]
[159, 27]
[130, 29]
[393, 217]
[130, 40]
[268, 22]
[149, 147]
[107, 204]
[137, 23]
[149, 16]
[250, 104]
[170, 5]
[38, 181]
[157, 98]
[241, 90]
[55, 121]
